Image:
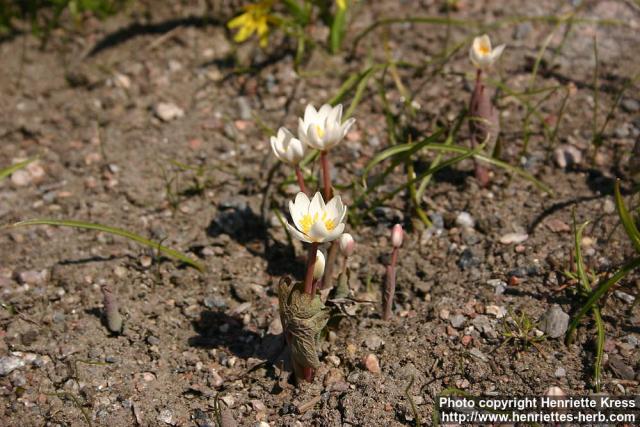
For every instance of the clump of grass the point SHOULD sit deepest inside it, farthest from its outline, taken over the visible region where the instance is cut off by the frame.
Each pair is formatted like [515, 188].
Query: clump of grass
[585, 289]
[594, 295]
[521, 331]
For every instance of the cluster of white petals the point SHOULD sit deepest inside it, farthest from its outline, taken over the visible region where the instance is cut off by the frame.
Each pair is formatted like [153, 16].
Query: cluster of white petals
[323, 129]
[482, 55]
[315, 222]
[320, 129]
[287, 148]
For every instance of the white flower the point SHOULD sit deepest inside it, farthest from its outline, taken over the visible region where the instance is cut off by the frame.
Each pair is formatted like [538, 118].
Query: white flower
[287, 148]
[323, 129]
[347, 244]
[481, 53]
[314, 221]
[318, 267]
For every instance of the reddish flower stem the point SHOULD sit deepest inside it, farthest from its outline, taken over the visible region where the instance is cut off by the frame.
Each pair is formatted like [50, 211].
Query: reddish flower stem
[390, 285]
[309, 288]
[300, 179]
[311, 261]
[308, 374]
[326, 178]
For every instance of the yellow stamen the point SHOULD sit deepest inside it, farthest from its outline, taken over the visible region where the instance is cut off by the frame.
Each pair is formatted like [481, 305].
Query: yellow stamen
[484, 49]
[319, 131]
[307, 221]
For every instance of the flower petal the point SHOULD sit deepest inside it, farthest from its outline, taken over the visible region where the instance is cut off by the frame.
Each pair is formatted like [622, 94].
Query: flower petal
[495, 54]
[334, 117]
[318, 232]
[295, 152]
[335, 233]
[275, 148]
[347, 125]
[323, 113]
[297, 234]
[310, 114]
[317, 205]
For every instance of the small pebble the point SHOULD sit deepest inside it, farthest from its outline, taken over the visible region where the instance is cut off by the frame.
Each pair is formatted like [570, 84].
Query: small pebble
[370, 361]
[465, 220]
[146, 261]
[555, 322]
[457, 320]
[560, 372]
[373, 342]
[166, 416]
[497, 311]
[333, 359]
[513, 238]
[21, 178]
[567, 155]
[10, 363]
[168, 111]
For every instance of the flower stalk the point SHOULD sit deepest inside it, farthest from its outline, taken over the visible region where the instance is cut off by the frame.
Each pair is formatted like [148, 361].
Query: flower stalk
[302, 312]
[397, 236]
[300, 179]
[112, 316]
[484, 122]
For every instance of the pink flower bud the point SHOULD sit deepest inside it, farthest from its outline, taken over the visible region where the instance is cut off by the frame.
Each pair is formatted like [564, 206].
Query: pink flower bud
[347, 244]
[397, 235]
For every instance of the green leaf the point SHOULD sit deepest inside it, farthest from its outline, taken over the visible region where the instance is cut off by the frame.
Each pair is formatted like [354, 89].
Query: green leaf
[337, 30]
[627, 220]
[115, 231]
[602, 288]
[402, 150]
[11, 169]
[586, 285]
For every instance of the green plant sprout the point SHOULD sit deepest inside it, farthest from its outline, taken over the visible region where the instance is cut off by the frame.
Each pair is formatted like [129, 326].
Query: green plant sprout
[522, 331]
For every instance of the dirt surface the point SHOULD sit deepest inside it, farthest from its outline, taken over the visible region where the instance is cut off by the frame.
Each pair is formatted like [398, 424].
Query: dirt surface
[88, 103]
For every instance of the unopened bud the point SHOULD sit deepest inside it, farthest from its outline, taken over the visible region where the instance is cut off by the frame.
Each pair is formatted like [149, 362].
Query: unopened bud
[397, 235]
[347, 244]
[318, 267]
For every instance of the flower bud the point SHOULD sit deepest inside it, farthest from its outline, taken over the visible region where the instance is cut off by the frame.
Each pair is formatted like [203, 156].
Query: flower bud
[318, 267]
[347, 244]
[397, 235]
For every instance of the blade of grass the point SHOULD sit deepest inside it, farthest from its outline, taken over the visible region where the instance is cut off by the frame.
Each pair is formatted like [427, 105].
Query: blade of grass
[430, 171]
[336, 33]
[402, 150]
[499, 163]
[601, 289]
[596, 141]
[586, 287]
[449, 141]
[111, 230]
[360, 87]
[11, 169]
[627, 220]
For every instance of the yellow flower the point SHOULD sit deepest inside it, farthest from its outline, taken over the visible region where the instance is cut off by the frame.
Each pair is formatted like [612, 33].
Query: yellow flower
[342, 4]
[254, 20]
